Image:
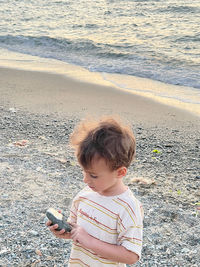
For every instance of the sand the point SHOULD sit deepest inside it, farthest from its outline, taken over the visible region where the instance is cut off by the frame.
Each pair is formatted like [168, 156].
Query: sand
[58, 94]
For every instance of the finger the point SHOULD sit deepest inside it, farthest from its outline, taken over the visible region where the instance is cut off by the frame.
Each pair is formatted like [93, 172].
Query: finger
[48, 223]
[75, 239]
[53, 227]
[73, 231]
[74, 225]
[74, 234]
[61, 232]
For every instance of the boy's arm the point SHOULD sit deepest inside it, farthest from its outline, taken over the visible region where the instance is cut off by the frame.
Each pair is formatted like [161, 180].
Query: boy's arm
[109, 251]
[113, 252]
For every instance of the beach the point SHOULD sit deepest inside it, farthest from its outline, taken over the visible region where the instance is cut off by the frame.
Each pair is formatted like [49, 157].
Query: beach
[38, 170]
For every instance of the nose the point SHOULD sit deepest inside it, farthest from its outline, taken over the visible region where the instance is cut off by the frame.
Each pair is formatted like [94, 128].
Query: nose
[85, 178]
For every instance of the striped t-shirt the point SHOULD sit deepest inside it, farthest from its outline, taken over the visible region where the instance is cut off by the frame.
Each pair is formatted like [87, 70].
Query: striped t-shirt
[112, 219]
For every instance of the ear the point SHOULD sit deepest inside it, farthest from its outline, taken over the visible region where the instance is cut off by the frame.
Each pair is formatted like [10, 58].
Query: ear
[121, 172]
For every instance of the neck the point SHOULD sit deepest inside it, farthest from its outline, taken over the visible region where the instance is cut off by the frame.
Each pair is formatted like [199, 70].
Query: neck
[115, 190]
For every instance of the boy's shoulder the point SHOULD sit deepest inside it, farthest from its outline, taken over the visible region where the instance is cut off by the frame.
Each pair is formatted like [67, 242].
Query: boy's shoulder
[128, 199]
[129, 206]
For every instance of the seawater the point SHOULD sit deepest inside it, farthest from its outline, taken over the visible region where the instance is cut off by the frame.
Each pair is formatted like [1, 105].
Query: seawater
[155, 39]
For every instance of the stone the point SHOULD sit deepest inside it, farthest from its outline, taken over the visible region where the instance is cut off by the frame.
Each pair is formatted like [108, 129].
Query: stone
[33, 233]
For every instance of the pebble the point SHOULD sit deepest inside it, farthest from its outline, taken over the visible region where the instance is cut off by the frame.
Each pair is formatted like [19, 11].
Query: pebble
[185, 250]
[39, 181]
[4, 251]
[34, 233]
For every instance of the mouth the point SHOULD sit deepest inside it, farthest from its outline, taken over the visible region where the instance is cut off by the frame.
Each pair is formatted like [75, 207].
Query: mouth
[92, 187]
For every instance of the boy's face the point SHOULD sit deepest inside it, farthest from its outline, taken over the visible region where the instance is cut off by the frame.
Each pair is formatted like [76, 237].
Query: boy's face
[101, 179]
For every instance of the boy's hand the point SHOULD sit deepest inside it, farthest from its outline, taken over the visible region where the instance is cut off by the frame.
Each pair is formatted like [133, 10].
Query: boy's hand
[59, 234]
[78, 234]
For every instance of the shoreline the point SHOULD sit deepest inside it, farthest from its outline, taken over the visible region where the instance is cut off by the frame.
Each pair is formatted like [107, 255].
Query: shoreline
[48, 93]
[186, 99]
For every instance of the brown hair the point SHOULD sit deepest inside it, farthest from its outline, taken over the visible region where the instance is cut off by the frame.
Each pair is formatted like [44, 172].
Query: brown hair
[106, 138]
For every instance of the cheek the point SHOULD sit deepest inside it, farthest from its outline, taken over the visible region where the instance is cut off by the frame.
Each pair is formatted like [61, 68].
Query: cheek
[97, 183]
[101, 182]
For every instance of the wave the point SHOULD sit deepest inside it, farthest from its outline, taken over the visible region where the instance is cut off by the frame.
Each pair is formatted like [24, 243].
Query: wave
[118, 58]
[178, 9]
[189, 38]
[59, 48]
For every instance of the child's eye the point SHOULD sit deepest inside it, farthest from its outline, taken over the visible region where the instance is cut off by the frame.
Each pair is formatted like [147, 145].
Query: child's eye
[93, 176]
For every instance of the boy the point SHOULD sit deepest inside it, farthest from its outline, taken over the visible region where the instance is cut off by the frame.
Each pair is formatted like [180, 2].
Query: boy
[106, 217]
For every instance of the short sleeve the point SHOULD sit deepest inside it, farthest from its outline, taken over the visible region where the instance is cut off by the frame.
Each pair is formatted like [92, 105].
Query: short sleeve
[74, 207]
[73, 211]
[130, 228]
